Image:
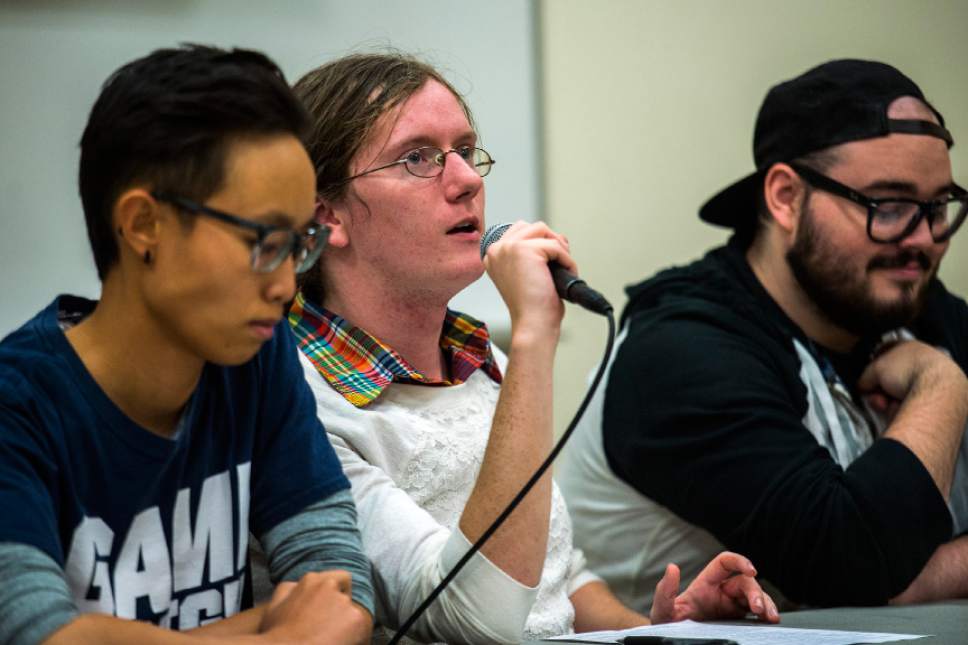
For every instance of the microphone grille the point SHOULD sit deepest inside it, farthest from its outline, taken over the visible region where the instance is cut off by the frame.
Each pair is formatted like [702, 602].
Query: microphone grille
[492, 235]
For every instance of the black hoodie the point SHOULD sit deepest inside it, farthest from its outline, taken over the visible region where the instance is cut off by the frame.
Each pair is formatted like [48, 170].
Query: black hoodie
[703, 414]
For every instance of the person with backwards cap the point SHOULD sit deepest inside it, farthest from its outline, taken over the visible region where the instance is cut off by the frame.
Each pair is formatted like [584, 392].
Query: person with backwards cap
[798, 394]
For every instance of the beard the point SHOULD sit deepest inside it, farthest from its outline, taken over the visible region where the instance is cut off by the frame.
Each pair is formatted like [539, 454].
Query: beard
[843, 296]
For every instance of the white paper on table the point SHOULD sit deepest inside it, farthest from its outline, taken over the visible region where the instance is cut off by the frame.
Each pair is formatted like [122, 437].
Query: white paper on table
[744, 635]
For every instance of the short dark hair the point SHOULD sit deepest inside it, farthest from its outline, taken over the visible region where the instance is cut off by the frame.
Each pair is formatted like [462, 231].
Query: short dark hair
[168, 119]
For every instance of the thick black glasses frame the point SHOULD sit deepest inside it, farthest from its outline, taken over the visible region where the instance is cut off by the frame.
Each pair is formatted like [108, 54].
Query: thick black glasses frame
[926, 210]
[262, 231]
[443, 156]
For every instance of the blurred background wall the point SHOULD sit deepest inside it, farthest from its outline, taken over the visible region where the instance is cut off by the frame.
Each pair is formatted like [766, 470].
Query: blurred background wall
[55, 54]
[614, 120]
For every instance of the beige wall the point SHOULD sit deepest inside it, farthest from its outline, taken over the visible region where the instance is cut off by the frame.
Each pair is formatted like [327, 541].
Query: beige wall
[649, 109]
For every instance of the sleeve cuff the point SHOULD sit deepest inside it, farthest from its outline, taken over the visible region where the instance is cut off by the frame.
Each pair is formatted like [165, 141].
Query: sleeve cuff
[489, 601]
[578, 574]
[487, 575]
[902, 505]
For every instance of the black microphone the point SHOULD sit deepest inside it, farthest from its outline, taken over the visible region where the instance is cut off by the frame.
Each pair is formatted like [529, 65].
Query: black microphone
[569, 286]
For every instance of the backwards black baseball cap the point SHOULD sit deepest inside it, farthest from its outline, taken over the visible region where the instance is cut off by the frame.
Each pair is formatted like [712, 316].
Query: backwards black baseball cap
[840, 101]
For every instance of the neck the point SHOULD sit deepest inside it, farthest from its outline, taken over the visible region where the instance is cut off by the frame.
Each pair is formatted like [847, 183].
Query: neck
[773, 271]
[151, 389]
[409, 322]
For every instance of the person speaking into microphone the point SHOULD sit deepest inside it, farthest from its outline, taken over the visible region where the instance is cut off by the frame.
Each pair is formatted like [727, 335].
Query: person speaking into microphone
[435, 427]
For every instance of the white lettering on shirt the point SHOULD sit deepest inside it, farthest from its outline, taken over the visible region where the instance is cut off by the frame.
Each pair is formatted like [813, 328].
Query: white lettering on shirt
[86, 568]
[177, 582]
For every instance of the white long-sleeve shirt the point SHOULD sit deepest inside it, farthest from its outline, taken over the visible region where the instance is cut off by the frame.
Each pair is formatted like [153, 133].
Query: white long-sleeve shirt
[413, 457]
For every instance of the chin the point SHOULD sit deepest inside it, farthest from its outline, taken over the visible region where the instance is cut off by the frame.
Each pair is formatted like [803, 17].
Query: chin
[234, 355]
[476, 271]
[897, 294]
[465, 271]
[896, 311]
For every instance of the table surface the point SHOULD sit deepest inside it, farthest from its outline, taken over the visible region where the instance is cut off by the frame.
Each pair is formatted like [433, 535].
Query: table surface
[946, 623]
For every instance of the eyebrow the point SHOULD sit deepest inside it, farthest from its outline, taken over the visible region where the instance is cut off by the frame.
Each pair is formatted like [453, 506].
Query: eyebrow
[906, 188]
[422, 140]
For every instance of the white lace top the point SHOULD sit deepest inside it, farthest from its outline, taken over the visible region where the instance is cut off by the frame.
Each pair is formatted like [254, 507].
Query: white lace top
[413, 456]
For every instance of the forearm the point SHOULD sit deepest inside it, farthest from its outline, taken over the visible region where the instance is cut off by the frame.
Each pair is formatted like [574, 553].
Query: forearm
[324, 536]
[931, 421]
[35, 600]
[243, 623]
[100, 629]
[885, 506]
[945, 576]
[411, 552]
[36, 605]
[520, 440]
[596, 608]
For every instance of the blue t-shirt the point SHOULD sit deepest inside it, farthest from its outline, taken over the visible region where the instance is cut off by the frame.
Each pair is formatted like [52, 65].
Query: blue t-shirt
[147, 527]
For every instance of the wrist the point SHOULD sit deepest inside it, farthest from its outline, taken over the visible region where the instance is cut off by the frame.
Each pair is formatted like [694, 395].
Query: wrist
[941, 376]
[534, 333]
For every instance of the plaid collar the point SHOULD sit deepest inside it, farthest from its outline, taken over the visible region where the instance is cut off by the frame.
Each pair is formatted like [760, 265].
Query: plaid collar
[360, 367]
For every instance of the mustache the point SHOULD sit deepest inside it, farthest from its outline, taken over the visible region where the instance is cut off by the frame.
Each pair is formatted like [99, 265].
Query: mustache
[901, 259]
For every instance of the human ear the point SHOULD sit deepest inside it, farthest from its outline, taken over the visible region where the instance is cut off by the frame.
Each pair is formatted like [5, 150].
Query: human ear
[783, 191]
[334, 215]
[136, 219]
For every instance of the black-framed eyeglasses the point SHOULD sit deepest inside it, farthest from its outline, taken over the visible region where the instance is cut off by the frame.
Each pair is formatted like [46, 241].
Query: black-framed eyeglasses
[272, 243]
[892, 219]
[429, 161]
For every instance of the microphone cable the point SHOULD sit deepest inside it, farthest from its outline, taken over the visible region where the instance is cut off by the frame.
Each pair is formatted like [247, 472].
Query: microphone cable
[496, 524]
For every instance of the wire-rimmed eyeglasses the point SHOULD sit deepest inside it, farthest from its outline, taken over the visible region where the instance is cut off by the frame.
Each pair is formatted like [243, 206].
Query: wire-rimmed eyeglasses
[272, 243]
[429, 161]
[892, 219]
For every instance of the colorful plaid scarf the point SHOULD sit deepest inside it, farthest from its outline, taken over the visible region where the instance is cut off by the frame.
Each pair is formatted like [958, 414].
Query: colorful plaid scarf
[360, 367]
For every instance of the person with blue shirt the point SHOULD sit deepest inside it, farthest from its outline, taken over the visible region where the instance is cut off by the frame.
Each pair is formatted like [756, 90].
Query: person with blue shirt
[144, 435]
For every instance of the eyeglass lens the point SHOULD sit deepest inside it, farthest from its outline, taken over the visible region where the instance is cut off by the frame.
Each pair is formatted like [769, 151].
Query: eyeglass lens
[275, 246]
[429, 161]
[890, 220]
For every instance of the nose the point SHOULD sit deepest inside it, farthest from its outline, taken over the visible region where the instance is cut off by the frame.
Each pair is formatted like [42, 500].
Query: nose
[461, 181]
[280, 286]
[920, 237]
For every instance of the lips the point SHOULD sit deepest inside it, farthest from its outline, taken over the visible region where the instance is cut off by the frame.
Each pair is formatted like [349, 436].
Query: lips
[911, 260]
[469, 225]
[909, 266]
[264, 328]
[908, 272]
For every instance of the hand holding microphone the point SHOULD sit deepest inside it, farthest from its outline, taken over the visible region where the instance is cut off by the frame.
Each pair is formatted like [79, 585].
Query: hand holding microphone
[568, 285]
[519, 267]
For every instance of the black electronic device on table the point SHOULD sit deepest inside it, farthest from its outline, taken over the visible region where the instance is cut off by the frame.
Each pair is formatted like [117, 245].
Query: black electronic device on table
[674, 640]
[655, 640]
